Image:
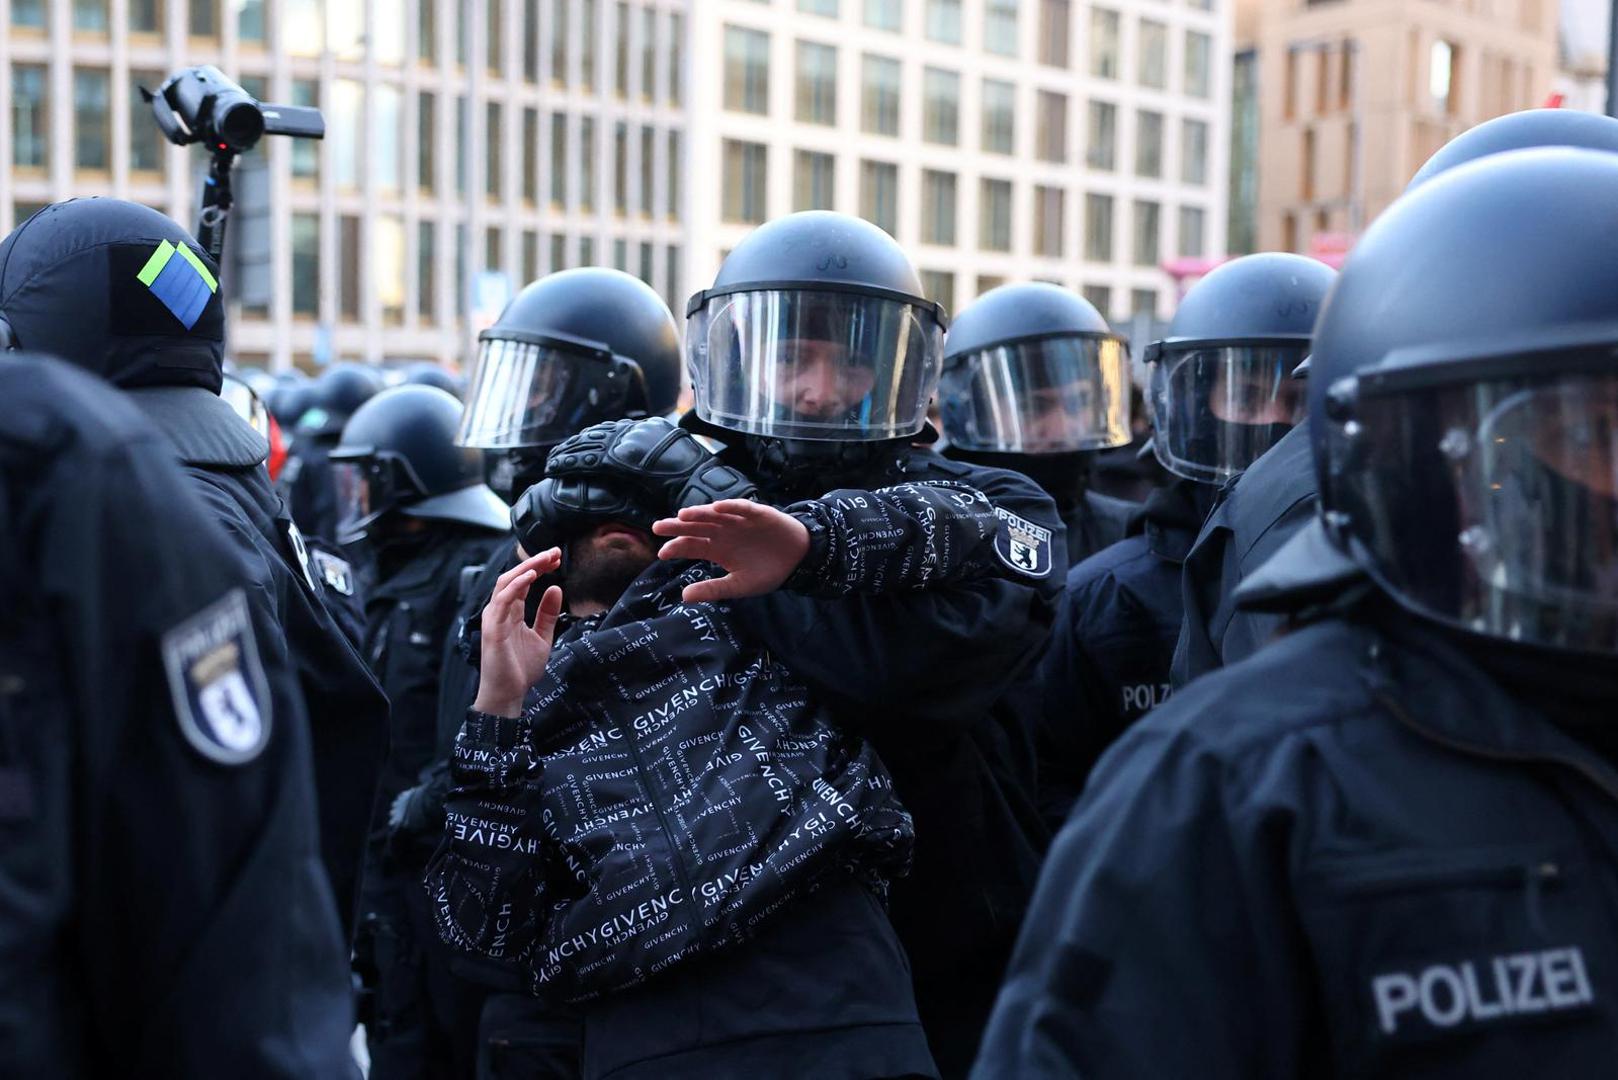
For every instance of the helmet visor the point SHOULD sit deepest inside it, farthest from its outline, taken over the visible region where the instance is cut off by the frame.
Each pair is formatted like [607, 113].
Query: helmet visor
[368, 487]
[240, 397]
[803, 364]
[527, 393]
[1038, 397]
[1215, 410]
[1494, 505]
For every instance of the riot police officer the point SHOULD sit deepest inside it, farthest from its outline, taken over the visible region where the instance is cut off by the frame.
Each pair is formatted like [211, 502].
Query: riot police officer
[812, 359]
[162, 906]
[417, 505]
[1272, 501]
[306, 480]
[1222, 394]
[154, 327]
[1036, 381]
[575, 348]
[1382, 845]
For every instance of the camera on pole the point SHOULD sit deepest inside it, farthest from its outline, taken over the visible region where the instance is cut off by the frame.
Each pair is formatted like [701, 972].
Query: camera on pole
[202, 104]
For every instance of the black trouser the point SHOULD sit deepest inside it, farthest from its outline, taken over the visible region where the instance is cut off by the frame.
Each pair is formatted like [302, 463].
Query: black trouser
[521, 1039]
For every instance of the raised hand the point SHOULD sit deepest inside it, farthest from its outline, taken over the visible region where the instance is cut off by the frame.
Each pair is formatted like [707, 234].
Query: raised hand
[758, 546]
[514, 653]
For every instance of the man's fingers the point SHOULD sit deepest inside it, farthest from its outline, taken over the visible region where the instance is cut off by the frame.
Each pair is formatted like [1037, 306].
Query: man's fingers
[676, 527]
[709, 512]
[728, 587]
[550, 609]
[742, 508]
[686, 547]
[543, 563]
[505, 606]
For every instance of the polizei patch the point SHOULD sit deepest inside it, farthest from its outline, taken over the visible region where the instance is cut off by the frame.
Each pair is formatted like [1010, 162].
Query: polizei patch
[335, 572]
[220, 695]
[1022, 545]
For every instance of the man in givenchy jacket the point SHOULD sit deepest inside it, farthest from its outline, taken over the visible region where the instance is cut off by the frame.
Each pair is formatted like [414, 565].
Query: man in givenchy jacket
[644, 814]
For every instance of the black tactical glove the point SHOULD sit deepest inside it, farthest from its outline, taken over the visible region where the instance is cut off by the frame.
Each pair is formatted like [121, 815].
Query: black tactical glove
[664, 463]
[557, 509]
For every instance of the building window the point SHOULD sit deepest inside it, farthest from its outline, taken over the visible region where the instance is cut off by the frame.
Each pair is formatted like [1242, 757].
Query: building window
[1441, 65]
[1101, 150]
[89, 16]
[989, 281]
[559, 169]
[1143, 301]
[28, 13]
[1146, 232]
[145, 141]
[939, 287]
[530, 256]
[1193, 152]
[92, 127]
[1103, 43]
[817, 83]
[620, 52]
[587, 163]
[879, 95]
[1100, 297]
[744, 182]
[145, 16]
[558, 253]
[492, 259]
[620, 254]
[1191, 227]
[306, 152]
[819, 7]
[941, 100]
[558, 23]
[1050, 205]
[1055, 18]
[999, 116]
[1289, 231]
[530, 156]
[937, 207]
[587, 46]
[305, 264]
[1050, 135]
[994, 215]
[1000, 26]
[645, 262]
[29, 115]
[676, 172]
[346, 133]
[1149, 144]
[1098, 228]
[348, 266]
[648, 156]
[494, 142]
[671, 276]
[250, 26]
[530, 40]
[879, 195]
[587, 251]
[676, 58]
[426, 269]
[648, 53]
[620, 168]
[204, 18]
[1154, 54]
[747, 70]
[1197, 69]
[1306, 188]
[813, 180]
[884, 14]
[387, 128]
[388, 266]
[944, 21]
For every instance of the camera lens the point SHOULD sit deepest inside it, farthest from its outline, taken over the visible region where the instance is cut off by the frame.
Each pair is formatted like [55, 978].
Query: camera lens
[237, 121]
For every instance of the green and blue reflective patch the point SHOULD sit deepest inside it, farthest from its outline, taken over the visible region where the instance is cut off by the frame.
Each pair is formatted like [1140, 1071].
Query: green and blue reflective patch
[183, 284]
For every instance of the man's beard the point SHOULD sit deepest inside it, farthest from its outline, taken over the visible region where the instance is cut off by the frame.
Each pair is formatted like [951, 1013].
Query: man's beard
[601, 568]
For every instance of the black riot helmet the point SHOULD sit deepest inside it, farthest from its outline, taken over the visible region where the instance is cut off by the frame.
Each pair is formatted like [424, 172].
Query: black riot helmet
[427, 373]
[337, 393]
[397, 454]
[1464, 400]
[289, 398]
[1222, 390]
[572, 349]
[1034, 369]
[118, 289]
[815, 329]
[1521, 131]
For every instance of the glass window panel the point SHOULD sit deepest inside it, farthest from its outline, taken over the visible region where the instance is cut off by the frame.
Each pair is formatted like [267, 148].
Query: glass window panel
[426, 29]
[1101, 150]
[388, 23]
[1154, 54]
[559, 164]
[999, 116]
[388, 266]
[879, 95]
[941, 98]
[558, 32]
[817, 83]
[1193, 152]
[676, 173]
[306, 152]
[1148, 144]
[1198, 46]
[744, 181]
[1050, 205]
[939, 287]
[1055, 31]
[305, 264]
[1100, 297]
[28, 13]
[302, 26]
[1146, 250]
[819, 7]
[346, 133]
[879, 194]
[937, 207]
[747, 70]
[145, 16]
[1143, 301]
[994, 215]
[89, 16]
[494, 146]
[587, 45]
[1191, 231]
[530, 41]
[943, 18]
[813, 180]
[146, 142]
[388, 127]
[92, 122]
[676, 58]
[1103, 43]
[620, 51]
[648, 161]
[648, 53]
[620, 168]
[884, 14]
[348, 266]
[558, 253]
[530, 155]
[1098, 228]
[587, 163]
[426, 141]
[1050, 136]
[1000, 26]
[426, 269]
[203, 21]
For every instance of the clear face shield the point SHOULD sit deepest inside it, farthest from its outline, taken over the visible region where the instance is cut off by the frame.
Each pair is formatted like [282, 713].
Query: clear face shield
[1493, 504]
[1215, 409]
[368, 486]
[240, 396]
[1038, 397]
[801, 364]
[536, 392]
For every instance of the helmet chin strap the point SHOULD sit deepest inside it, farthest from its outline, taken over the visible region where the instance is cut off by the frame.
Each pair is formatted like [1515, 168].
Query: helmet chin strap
[791, 469]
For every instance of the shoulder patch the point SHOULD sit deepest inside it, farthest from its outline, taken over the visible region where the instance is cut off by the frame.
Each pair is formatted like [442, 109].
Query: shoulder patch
[1022, 545]
[221, 698]
[335, 572]
[300, 552]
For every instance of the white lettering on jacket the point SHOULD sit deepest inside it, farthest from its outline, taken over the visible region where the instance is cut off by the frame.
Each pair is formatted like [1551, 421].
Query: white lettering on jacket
[1516, 984]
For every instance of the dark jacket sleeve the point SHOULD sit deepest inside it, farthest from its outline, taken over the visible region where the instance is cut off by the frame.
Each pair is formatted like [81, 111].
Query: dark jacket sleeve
[486, 881]
[937, 656]
[1161, 908]
[1072, 728]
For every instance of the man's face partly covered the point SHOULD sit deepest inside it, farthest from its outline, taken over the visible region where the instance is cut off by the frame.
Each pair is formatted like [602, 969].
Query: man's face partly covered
[815, 380]
[603, 562]
[1243, 396]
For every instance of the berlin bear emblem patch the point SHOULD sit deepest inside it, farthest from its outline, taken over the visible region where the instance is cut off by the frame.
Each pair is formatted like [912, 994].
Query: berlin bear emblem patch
[221, 698]
[1022, 545]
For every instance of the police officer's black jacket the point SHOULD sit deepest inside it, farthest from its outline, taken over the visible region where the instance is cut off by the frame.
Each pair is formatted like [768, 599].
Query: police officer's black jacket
[1113, 642]
[162, 906]
[932, 678]
[1255, 515]
[410, 611]
[674, 778]
[347, 711]
[1356, 853]
[1093, 520]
